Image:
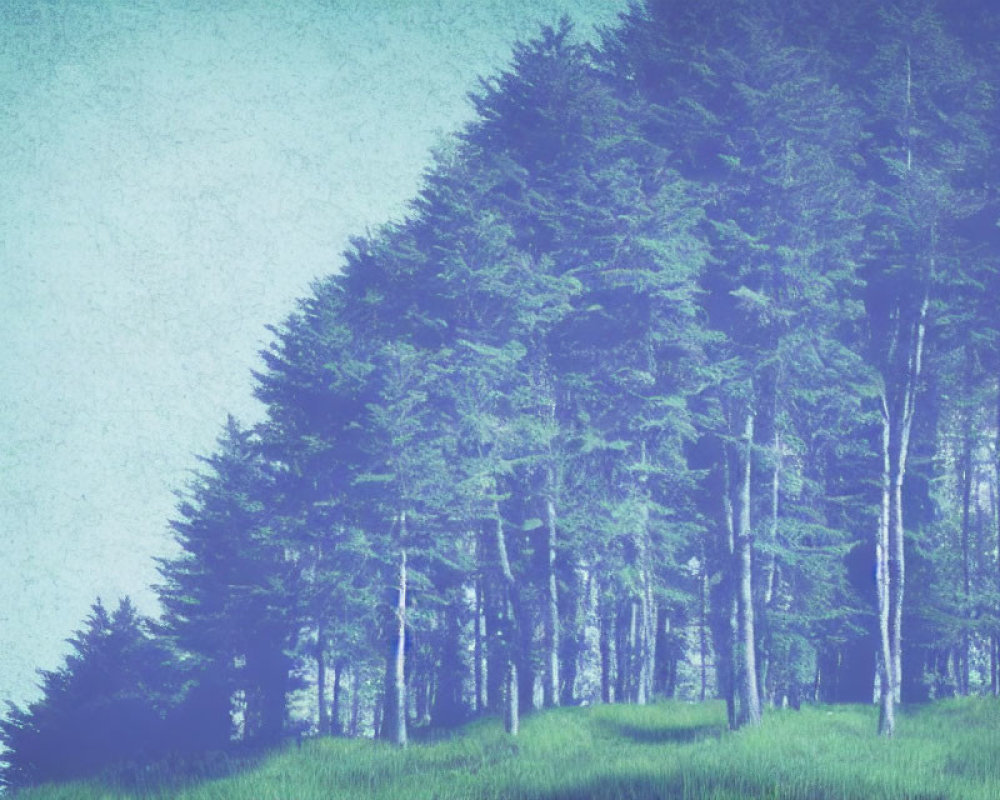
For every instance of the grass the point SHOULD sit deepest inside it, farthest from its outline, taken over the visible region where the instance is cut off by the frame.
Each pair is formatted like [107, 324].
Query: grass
[671, 750]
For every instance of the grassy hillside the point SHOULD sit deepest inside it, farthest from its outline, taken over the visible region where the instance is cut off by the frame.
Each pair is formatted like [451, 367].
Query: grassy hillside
[671, 750]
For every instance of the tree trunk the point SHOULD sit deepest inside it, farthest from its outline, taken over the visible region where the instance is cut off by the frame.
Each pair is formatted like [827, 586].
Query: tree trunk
[996, 518]
[420, 691]
[355, 702]
[898, 409]
[963, 687]
[552, 610]
[749, 694]
[512, 715]
[604, 645]
[666, 654]
[324, 720]
[448, 707]
[400, 663]
[646, 650]
[479, 702]
[378, 718]
[887, 716]
[266, 698]
[624, 641]
[511, 684]
[723, 599]
[573, 643]
[634, 656]
[703, 627]
[619, 641]
[336, 729]
[768, 578]
[394, 698]
[494, 610]
[897, 575]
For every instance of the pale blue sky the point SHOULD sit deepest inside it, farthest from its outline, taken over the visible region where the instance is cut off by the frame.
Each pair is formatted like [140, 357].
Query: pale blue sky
[173, 174]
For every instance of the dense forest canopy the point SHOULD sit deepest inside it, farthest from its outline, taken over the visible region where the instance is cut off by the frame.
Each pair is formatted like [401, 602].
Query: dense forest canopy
[679, 379]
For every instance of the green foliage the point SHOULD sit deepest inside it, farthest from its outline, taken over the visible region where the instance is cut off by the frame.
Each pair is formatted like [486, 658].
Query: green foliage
[230, 611]
[110, 702]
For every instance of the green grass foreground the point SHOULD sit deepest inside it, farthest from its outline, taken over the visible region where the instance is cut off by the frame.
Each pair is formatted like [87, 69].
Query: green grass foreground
[670, 750]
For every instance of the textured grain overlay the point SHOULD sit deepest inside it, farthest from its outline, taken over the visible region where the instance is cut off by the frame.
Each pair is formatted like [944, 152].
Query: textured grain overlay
[173, 176]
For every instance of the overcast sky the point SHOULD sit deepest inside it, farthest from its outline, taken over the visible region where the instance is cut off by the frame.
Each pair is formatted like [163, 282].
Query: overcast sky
[173, 175]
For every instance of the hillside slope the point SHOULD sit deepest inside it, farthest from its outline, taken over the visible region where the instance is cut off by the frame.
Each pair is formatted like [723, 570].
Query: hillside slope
[671, 750]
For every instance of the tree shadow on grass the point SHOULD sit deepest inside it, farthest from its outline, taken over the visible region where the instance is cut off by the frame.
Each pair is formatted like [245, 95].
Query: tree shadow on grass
[174, 773]
[650, 787]
[633, 787]
[664, 734]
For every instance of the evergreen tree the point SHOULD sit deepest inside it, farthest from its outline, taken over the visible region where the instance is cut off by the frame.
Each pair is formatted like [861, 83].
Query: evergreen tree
[107, 704]
[228, 598]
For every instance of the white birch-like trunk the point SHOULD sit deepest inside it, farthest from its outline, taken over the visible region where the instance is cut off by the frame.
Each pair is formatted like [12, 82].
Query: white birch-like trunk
[478, 671]
[400, 664]
[965, 545]
[897, 557]
[324, 721]
[726, 669]
[552, 608]
[749, 694]
[703, 626]
[647, 618]
[996, 472]
[887, 695]
[511, 687]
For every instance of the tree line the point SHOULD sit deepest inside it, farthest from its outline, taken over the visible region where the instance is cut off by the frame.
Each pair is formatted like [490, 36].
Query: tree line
[679, 378]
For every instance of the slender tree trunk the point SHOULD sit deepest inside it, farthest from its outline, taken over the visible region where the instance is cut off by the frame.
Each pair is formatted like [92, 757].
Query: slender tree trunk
[723, 601]
[897, 421]
[768, 578]
[995, 494]
[552, 608]
[572, 644]
[901, 378]
[620, 641]
[887, 716]
[965, 533]
[512, 712]
[897, 559]
[703, 627]
[477, 649]
[336, 729]
[378, 718]
[647, 618]
[666, 655]
[355, 702]
[511, 686]
[647, 633]
[524, 650]
[604, 645]
[647, 644]
[897, 579]
[400, 664]
[324, 720]
[421, 690]
[494, 609]
[749, 694]
[633, 655]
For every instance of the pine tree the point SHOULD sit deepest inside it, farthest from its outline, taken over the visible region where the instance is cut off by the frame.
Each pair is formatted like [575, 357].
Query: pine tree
[227, 598]
[107, 704]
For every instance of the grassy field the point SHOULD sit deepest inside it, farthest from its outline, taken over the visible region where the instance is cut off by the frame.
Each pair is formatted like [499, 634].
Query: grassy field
[671, 750]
